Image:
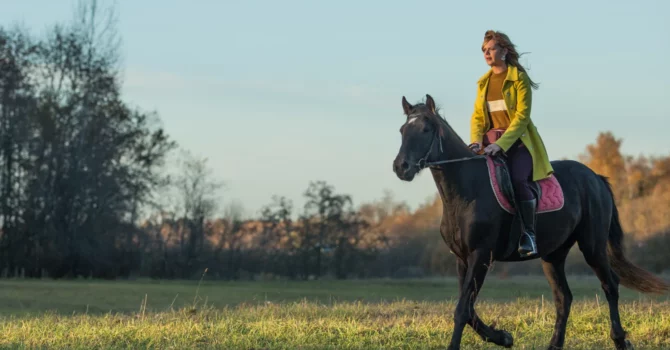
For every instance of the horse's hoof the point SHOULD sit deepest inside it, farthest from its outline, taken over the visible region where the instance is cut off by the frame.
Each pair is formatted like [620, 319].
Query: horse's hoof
[508, 340]
[629, 345]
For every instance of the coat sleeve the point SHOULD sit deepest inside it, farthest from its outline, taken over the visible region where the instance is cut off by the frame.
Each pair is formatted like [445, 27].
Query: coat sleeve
[521, 116]
[477, 122]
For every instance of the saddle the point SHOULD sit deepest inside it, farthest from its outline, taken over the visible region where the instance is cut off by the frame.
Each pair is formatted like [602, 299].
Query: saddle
[547, 191]
[503, 177]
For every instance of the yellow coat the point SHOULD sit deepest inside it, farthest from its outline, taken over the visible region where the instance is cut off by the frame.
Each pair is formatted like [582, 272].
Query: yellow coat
[518, 99]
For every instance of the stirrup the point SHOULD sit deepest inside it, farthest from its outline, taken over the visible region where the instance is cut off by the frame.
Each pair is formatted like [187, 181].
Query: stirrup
[533, 250]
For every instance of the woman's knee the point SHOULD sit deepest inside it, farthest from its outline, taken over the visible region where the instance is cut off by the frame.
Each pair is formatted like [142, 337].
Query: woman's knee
[520, 184]
[523, 190]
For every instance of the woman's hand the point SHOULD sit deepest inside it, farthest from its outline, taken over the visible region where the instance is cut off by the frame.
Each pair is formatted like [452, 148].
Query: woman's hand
[492, 149]
[476, 147]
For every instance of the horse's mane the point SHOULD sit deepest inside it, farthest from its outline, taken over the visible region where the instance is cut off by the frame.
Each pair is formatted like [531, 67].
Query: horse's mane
[439, 120]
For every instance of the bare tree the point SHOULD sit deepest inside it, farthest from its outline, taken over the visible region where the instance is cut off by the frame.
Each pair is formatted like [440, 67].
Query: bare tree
[198, 192]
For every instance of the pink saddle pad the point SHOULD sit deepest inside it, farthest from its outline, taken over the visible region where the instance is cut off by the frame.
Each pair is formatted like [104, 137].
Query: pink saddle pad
[552, 194]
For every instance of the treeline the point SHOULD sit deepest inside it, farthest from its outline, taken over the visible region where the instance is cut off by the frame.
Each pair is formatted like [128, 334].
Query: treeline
[328, 237]
[77, 163]
[86, 190]
[383, 238]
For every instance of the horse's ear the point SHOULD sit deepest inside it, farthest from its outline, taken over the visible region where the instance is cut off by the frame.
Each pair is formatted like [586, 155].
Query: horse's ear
[430, 103]
[406, 106]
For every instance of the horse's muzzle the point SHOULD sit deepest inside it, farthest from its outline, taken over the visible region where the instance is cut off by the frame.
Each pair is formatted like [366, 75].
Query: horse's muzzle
[403, 169]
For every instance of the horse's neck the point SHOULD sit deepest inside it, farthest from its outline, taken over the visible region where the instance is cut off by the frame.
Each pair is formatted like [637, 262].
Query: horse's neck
[453, 146]
[452, 179]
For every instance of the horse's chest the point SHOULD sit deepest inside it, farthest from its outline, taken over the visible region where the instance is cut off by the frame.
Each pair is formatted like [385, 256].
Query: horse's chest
[451, 234]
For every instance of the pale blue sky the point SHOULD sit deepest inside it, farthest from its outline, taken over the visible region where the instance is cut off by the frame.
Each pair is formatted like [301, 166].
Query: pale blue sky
[278, 93]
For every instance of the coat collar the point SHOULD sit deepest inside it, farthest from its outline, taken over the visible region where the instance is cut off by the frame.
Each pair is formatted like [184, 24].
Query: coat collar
[512, 75]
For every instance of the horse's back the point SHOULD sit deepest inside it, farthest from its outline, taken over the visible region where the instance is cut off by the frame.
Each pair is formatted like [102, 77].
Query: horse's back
[582, 187]
[563, 165]
[571, 172]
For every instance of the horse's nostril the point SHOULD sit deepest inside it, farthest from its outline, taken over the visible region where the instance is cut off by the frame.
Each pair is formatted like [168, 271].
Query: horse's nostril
[405, 165]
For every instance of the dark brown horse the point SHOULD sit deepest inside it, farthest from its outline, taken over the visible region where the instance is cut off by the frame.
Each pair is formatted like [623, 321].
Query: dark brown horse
[476, 228]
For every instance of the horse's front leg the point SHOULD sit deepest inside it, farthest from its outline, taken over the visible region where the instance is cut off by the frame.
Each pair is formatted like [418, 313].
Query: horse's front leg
[471, 279]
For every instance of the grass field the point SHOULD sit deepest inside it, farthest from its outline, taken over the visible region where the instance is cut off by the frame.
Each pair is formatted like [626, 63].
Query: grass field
[379, 314]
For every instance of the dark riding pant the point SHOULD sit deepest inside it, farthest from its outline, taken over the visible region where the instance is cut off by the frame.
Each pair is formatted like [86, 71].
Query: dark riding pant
[521, 168]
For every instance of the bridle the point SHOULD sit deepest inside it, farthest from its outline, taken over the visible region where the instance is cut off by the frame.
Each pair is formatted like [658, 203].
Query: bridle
[424, 163]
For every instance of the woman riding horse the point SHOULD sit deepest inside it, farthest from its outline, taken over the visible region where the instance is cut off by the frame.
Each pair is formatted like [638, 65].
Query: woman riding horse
[501, 123]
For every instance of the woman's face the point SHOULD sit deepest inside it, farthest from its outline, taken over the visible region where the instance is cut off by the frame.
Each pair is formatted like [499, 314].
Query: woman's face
[493, 54]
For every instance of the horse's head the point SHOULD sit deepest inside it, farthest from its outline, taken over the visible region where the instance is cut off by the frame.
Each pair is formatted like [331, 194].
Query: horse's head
[421, 134]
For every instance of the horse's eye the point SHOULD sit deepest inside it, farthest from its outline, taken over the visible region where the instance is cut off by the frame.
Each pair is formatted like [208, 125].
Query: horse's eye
[426, 129]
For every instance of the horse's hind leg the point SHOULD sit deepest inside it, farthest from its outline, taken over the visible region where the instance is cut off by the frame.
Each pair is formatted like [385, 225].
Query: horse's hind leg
[471, 279]
[597, 259]
[554, 269]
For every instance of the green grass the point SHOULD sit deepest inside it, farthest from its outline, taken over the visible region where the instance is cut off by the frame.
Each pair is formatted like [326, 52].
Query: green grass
[379, 314]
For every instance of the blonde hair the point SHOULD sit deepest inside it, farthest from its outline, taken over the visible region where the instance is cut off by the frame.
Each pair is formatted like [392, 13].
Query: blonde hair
[512, 57]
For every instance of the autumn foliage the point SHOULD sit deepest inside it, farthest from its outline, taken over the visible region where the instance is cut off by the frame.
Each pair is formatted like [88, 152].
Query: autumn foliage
[641, 185]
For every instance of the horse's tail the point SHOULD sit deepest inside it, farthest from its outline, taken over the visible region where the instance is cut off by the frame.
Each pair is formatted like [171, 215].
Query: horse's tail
[632, 276]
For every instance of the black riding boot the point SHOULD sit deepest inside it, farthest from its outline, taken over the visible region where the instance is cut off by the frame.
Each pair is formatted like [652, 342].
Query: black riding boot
[527, 244]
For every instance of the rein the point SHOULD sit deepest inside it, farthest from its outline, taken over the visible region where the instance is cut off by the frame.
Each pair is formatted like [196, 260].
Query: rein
[422, 163]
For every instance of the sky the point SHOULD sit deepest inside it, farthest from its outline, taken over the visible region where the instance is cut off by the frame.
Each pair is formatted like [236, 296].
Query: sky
[280, 93]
